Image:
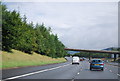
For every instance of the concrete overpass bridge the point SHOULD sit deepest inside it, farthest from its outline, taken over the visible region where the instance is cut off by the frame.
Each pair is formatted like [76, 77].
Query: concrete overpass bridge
[96, 51]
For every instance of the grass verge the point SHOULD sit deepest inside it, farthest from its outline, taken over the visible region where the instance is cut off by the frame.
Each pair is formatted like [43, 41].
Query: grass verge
[20, 59]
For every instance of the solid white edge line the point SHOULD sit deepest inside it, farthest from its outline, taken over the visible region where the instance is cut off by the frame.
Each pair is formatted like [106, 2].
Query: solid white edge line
[28, 74]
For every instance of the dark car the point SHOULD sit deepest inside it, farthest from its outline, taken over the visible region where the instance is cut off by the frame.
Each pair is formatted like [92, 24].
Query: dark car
[97, 64]
[81, 59]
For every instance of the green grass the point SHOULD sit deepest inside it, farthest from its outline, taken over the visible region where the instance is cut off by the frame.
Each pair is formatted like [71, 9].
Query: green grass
[20, 59]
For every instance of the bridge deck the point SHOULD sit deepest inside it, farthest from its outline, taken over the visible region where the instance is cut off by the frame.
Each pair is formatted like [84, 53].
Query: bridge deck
[94, 51]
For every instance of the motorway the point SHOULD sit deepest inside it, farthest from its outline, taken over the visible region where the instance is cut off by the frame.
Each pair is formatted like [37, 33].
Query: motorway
[65, 71]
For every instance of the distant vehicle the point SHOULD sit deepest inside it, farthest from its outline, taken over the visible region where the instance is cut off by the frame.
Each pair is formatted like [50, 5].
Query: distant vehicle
[97, 64]
[84, 58]
[81, 59]
[75, 60]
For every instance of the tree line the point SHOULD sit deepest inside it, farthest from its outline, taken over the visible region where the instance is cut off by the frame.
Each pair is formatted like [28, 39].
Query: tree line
[94, 55]
[27, 37]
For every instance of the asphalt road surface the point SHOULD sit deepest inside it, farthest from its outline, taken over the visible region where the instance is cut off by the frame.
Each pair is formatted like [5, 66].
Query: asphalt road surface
[61, 71]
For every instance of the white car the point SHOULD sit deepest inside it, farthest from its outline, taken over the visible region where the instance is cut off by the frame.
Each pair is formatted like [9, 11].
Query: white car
[75, 60]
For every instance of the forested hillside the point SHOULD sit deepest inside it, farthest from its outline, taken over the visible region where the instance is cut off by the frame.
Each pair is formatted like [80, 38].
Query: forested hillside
[27, 37]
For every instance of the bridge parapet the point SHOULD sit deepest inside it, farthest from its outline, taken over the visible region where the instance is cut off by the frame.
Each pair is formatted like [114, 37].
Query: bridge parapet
[94, 51]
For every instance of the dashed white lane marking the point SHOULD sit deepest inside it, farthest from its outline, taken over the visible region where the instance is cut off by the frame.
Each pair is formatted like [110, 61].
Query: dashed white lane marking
[114, 73]
[118, 74]
[110, 70]
[78, 73]
[72, 80]
[28, 74]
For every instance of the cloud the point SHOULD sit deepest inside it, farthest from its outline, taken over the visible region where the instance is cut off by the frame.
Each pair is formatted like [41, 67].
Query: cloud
[91, 25]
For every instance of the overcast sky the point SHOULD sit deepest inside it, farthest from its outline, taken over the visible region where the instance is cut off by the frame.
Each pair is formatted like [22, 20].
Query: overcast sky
[83, 25]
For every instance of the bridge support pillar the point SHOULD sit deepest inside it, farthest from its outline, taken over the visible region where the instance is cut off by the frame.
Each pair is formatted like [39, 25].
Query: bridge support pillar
[89, 56]
[115, 57]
